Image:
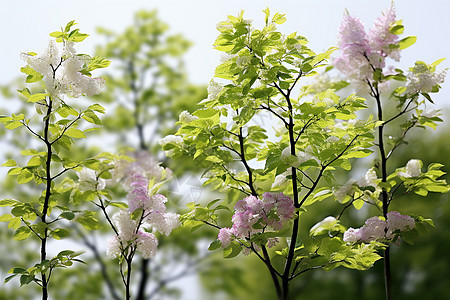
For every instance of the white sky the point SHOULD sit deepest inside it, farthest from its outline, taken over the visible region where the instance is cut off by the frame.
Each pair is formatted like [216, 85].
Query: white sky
[25, 25]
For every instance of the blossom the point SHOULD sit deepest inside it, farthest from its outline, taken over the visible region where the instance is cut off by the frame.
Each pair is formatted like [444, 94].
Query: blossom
[295, 160]
[342, 192]
[253, 215]
[243, 60]
[412, 169]
[380, 36]
[374, 229]
[352, 36]
[186, 117]
[377, 229]
[61, 69]
[113, 247]
[396, 221]
[147, 244]
[171, 139]
[125, 225]
[225, 236]
[279, 180]
[363, 52]
[430, 113]
[421, 79]
[164, 223]
[143, 164]
[89, 181]
[138, 195]
[369, 179]
[214, 89]
[352, 235]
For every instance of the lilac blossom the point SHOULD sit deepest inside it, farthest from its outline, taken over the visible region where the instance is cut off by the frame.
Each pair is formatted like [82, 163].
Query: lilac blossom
[380, 36]
[377, 229]
[363, 52]
[253, 215]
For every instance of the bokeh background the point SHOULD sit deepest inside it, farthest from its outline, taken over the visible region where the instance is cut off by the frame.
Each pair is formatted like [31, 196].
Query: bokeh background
[420, 271]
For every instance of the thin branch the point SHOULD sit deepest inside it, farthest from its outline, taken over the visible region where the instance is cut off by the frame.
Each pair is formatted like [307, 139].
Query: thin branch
[314, 268]
[273, 112]
[234, 178]
[28, 225]
[67, 127]
[210, 224]
[306, 175]
[32, 131]
[65, 170]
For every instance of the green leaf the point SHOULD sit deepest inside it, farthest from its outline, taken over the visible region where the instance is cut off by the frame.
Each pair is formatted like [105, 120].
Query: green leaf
[214, 245]
[24, 176]
[232, 250]
[406, 42]
[7, 279]
[60, 233]
[97, 108]
[75, 133]
[14, 223]
[121, 205]
[358, 204]
[397, 29]
[22, 233]
[34, 161]
[56, 34]
[6, 218]
[29, 152]
[279, 18]
[26, 279]
[18, 270]
[37, 97]
[13, 125]
[68, 215]
[437, 62]
[9, 163]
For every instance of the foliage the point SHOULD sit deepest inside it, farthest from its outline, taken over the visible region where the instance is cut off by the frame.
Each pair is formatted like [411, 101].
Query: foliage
[319, 133]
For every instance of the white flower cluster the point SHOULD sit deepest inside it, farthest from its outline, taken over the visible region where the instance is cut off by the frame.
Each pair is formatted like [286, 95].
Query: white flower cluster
[369, 179]
[186, 117]
[88, 181]
[342, 193]
[295, 160]
[61, 70]
[214, 89]
[170, 139]
[130, 236]
[422, 80]
[412, 169]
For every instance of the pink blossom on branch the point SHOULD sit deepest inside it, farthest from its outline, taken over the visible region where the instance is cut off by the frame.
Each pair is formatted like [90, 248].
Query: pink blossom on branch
[380, 36]
[363, 52]
[253, 215]
[376, 229]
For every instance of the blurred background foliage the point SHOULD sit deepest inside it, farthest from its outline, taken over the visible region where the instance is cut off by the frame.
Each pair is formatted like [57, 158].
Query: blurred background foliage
[147, 89]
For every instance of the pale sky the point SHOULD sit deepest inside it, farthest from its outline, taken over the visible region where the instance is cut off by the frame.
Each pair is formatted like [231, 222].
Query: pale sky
[25, 25]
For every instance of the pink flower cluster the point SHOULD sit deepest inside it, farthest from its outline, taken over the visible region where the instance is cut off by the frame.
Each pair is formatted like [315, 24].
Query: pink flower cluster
[376, 229]
[135, 177]
[253, 215]
[361, 51]
[154, 209]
